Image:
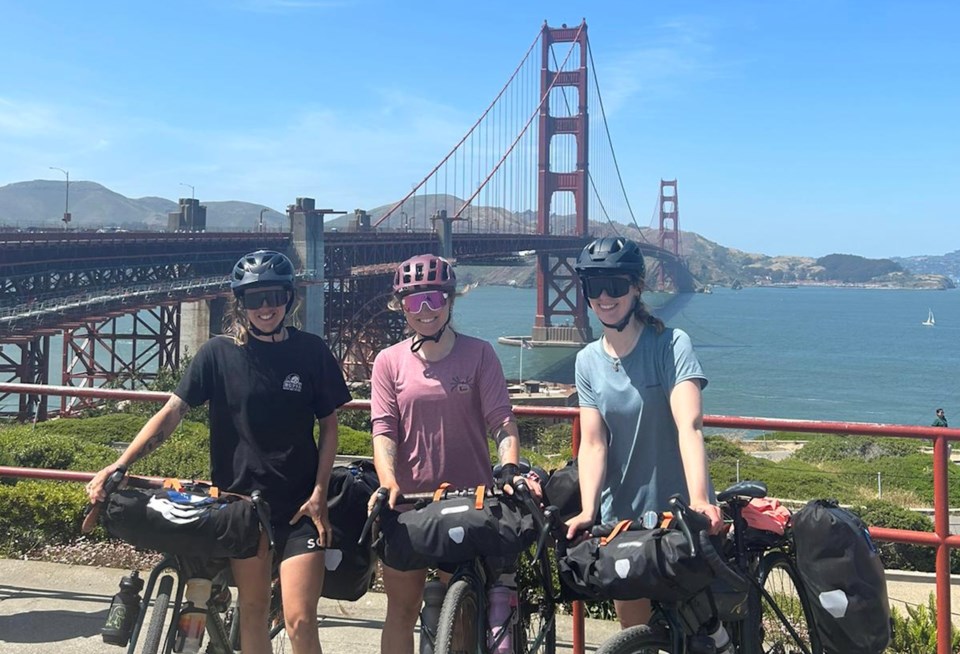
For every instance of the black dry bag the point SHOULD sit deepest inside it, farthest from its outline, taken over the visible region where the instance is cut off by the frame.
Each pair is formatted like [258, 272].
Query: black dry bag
[844, 579]
[349, 567]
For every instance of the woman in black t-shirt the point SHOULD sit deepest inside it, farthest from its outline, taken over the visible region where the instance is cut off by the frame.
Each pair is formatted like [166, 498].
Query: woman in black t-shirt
[266, 384]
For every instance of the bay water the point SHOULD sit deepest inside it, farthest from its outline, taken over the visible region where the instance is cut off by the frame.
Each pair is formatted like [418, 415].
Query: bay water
[810, 353]
[807, 353]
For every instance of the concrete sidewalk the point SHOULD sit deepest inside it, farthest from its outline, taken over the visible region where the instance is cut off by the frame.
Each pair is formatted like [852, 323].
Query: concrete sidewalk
[52, 608]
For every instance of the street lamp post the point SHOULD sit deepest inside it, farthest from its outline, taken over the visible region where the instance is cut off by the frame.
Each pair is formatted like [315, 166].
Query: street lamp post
[66, 203]
[192, 195]
[261, 217]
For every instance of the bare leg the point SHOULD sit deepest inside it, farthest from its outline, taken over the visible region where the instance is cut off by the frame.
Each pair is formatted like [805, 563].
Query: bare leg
[301, 578]
[253, 588]
[404, 597]
[632, 612]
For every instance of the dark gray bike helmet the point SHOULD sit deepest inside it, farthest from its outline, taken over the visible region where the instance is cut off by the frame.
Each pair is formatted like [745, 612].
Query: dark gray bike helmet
[263, 268]
[612, 255]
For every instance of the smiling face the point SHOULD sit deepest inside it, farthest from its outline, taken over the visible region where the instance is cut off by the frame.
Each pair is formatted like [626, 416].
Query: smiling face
[611, 297]
[426, 312]
[266, 306]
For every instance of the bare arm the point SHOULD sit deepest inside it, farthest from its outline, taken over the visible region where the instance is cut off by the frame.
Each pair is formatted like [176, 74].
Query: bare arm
[385, 461]
[158, 429]
[592, 461]
[687, 408]
[507, 438]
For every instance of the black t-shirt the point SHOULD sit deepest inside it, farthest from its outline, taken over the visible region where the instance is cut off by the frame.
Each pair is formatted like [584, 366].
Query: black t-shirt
[264, 398]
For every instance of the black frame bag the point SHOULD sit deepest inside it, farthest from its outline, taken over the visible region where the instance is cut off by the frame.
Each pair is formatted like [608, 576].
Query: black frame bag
[844, 579]
[627, 565]
[455, 530]
[184, 523]
[349, 567]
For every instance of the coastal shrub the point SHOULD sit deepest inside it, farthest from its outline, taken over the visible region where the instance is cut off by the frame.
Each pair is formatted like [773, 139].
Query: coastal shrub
[24, 448]
[556, 439]
[899, 556]
[864, 448]
[916, 632]
[104, 430]
[353, 442]
[720, 447]
[357, 419]
[39, 513]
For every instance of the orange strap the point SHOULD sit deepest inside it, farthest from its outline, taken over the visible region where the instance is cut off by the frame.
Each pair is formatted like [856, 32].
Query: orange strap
[172, 484]
[479, 497]
[438, 494]
[621, 526]
[214, 492]
[667, 517]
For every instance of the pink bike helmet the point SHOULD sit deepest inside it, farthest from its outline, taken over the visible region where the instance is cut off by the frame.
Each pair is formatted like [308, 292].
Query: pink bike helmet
[424, 272]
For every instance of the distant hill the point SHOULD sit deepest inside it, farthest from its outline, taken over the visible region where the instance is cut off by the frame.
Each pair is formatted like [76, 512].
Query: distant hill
[40, 203]
[946, 264]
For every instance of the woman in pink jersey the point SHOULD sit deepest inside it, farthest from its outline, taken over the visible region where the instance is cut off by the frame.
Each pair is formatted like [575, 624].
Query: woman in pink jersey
[435, 397]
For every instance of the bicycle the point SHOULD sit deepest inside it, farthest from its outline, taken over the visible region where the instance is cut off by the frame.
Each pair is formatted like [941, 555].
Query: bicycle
[463, 621]
[167, 581]
[760, 569]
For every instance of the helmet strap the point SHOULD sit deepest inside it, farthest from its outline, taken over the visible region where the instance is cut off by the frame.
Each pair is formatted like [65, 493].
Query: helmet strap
[416, 343]
[260, 332]
[623, 322]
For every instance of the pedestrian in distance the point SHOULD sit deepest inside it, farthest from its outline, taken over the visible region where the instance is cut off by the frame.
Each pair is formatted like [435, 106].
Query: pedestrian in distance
[435, 397]
[641, 414]
[267, 383]
[940, 420]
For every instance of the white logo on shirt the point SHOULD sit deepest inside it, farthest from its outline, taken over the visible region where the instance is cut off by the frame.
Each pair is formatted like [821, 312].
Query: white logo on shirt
[293, 383]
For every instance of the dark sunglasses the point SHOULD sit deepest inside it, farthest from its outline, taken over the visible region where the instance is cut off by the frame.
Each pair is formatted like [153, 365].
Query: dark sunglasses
[256, 299]
[614, 286]
[433, 300]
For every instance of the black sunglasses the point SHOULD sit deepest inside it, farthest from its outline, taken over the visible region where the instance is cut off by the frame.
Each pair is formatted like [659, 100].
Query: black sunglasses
[256, 299]
[614, 286]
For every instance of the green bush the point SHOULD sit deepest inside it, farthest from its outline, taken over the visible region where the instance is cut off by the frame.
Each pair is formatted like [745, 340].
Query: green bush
[719, 447]
[39, 513]
[847, 448]
[104, 429]
[916, 632]
[24, 448]
[899, 556]
[353, 442]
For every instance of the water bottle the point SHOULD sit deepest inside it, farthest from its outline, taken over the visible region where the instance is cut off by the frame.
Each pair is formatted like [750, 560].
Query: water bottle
[501, 605]
[193, 616]
[433, 594]
[123, 612]
[721, 639]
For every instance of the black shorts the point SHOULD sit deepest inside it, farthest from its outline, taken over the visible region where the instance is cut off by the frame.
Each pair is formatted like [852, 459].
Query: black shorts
[291, 540]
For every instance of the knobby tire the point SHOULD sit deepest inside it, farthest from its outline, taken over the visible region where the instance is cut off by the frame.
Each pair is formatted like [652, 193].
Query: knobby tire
[779, 576]
[637, 640]
[457, 629]
[161, 601]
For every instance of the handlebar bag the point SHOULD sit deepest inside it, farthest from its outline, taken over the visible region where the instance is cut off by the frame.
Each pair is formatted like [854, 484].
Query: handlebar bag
[349, 567]
[652, 563]
[455, 530]
[843, 576]
[183, 522]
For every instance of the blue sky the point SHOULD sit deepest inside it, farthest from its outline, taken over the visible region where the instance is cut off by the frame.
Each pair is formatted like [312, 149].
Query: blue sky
[800, 128]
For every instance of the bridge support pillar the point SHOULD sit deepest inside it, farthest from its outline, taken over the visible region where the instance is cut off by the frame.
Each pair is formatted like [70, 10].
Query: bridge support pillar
[199, 321]
[306, 227]
[32, 366]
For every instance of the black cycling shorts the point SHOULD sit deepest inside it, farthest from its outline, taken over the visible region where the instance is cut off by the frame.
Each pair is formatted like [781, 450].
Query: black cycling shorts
[299, 538]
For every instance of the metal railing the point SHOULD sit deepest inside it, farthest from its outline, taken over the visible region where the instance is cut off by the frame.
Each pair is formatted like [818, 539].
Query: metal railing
[940, 538]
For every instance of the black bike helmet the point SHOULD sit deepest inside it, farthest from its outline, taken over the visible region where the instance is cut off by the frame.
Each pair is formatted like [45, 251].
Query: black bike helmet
[613, 255]
[263, 268]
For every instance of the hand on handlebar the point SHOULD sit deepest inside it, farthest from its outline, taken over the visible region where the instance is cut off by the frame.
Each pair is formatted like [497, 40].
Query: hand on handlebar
[712, 512]
[579, 525]
[103, 483]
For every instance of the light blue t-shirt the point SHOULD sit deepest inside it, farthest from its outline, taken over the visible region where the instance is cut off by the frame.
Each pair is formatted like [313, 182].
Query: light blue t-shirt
[632, 394]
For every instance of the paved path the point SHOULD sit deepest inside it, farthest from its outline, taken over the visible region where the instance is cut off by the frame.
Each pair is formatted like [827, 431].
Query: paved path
[53, 608]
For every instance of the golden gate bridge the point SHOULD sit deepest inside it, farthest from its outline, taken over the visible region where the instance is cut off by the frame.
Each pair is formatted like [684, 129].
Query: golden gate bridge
[536, 173]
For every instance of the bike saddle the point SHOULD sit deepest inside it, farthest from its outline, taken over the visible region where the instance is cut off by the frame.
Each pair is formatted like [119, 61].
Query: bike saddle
[743, 489]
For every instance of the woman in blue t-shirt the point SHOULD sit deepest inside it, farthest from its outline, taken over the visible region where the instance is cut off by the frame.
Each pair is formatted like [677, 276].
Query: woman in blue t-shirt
[640, 407]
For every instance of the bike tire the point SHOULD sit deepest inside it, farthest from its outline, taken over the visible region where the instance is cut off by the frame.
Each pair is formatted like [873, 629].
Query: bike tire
[641, 639]
[458, 631]
[535, 631]
[161, 602]
[779, 577]
[276, 626]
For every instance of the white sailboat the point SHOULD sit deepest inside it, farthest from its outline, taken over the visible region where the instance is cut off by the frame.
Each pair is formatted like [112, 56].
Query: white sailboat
[930, 321]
